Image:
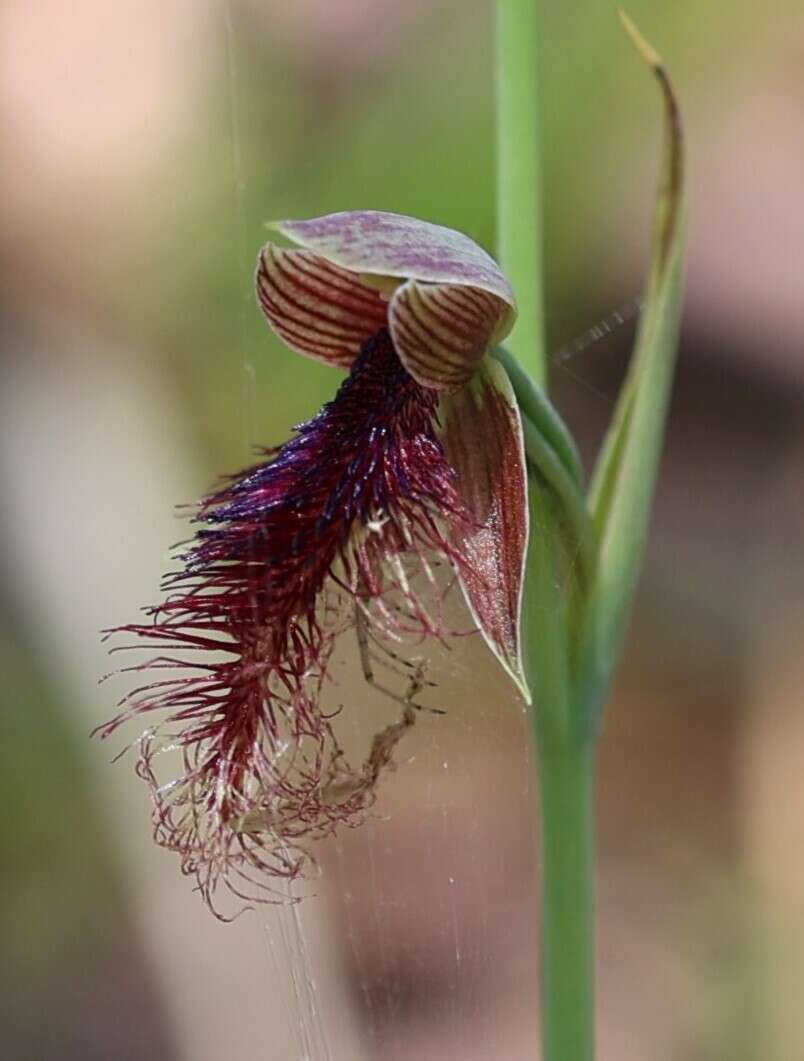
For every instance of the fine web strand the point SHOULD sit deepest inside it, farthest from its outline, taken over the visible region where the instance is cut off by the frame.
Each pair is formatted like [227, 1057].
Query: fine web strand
[561, 359]
[287, 948]
[614, 320]
[310, 1026]
[315, 1026]
[239, 207]
[602, 329]
[356, 954]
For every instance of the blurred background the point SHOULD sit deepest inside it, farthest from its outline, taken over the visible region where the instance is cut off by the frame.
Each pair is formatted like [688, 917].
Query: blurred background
[144, 146]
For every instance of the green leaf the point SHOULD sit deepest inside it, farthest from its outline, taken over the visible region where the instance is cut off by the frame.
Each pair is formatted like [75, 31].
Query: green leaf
[625, 477]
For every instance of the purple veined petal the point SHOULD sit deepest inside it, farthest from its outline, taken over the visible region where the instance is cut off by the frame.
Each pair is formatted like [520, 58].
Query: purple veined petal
[391, 245]
[442, 331]
[484, 444]
[316, 307]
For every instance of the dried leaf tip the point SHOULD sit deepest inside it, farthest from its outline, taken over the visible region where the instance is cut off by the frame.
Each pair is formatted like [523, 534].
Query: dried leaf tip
[646, 50]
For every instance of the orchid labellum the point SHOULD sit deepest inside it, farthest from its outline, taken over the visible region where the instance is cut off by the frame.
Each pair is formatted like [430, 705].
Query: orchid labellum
[415, 466]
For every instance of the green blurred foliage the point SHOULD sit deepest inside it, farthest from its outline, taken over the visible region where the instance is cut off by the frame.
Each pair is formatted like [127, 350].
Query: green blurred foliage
[68, 946]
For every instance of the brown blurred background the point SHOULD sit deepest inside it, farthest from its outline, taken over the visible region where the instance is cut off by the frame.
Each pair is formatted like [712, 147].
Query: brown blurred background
[144, 145]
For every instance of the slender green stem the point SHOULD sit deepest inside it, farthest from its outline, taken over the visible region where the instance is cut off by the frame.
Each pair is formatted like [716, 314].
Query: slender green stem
[566, 787]
[565, 758]
[573, 635]
[519, 217]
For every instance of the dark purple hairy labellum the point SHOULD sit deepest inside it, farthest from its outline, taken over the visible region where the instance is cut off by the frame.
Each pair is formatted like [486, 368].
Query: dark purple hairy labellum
[343, 521]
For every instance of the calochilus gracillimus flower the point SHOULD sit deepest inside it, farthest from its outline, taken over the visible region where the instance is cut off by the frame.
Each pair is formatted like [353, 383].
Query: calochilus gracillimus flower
[415, 466]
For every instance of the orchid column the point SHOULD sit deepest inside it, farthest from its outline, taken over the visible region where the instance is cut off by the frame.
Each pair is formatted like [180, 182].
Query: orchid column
[585, 547]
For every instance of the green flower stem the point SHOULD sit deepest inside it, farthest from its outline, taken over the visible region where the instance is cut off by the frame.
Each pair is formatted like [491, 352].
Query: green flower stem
[565, 758]
[566, 788]
[573, 628]
[519, 219]
[565, 765]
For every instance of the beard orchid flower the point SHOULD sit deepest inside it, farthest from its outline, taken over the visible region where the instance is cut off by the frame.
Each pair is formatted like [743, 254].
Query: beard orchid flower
[416, 467]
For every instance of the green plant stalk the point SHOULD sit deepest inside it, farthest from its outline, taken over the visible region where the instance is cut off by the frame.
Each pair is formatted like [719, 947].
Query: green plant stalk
[565, 775]
[566, 786]
[519, 210]
[574, 627]
[564, 765]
